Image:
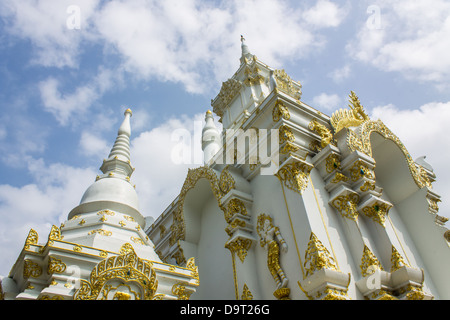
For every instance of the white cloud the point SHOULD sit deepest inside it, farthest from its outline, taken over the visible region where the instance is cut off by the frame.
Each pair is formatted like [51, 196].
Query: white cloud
[176, 41]
[422, 131]
[57, 189]
[64, 106]
[340, 74]
[92, 145]
[413, 38]
[325, 14]
[326, 101]
[159, 172]
[183, 41]
[44, 24]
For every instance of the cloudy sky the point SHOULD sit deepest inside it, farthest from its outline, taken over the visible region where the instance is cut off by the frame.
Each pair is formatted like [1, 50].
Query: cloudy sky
[69, 69]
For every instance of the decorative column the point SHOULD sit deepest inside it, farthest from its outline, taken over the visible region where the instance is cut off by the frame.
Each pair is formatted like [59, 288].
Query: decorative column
[342, 197]
[237, 204]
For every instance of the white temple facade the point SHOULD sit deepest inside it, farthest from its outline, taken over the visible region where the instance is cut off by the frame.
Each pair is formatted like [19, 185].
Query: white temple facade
[289, 204]
[303, 205]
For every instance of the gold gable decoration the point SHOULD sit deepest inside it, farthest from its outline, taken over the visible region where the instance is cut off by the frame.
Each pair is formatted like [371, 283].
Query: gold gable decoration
[228, 92]
[126, 268]
[287, 85]
[317, 256]
[359, 140]
[354, 117]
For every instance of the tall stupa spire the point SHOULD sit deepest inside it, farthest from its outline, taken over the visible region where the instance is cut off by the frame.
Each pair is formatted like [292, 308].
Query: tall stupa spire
[246, 55]
[118, 161]
[121, 147]
[113, 189]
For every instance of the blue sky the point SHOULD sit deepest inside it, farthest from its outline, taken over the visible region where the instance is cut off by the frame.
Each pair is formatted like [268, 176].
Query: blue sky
[69, 69]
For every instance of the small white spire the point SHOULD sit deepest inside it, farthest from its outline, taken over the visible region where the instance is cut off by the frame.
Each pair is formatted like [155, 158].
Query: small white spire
[244, 47]
[121, 148]
[118, 162]
[246, 55]
[210, 138]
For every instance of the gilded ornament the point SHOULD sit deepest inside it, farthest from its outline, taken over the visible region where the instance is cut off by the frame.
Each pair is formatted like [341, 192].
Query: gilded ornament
[359, 170]
[317, 257]
[32, 239]
[338, 177]
[289, 148]
[367, 186]
[230, 89]
[326, 137]
[226, 181]
[190, 264]
[179, 256]
[246, 293]
[126, 248]
[332, 163]
[252, 76]
[179, 290]
[126, 267]
[137, 240]
[107, 212]
[31, 269]
[378, 212]
[334, 294]
[433, 204]
[282, 293]
[286, 134]
[314, 146]
[47, 297]
[295, 175]
[162, 231]
[122, 296]
[239, 246]
[233, 225]
[55, 265]
[235, 206]
[354, 117]
[447, 236]
[346, 205]
[55, 234]
[287, 85]
[362, 143]
[270, 238]
[397, 261]
[414, 293]
[280, 111]
[382, 295]
[100, 232]
[369, 262]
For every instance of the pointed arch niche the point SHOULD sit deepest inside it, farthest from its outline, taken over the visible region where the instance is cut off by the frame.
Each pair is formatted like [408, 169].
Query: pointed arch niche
[407, 186]
[201, 224]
